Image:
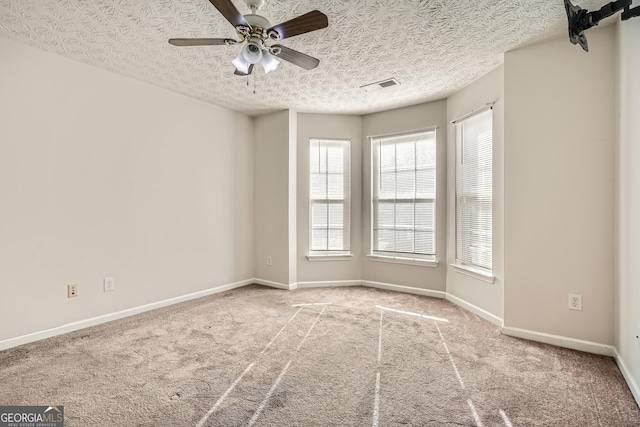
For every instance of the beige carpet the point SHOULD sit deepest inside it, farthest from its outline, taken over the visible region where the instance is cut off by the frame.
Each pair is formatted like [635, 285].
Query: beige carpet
[355, 357]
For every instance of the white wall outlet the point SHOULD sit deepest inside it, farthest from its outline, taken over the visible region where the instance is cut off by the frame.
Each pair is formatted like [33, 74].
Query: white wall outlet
[575, 302]
[269, 261]
[109, 284]
[72, 291]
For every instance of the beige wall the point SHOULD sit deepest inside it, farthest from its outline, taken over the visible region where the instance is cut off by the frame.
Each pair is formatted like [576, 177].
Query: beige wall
[292, 206]
[559, 187]
[336, 127]
[274, 192]
[103, 176]
[628, 202]
[485, 296]
[402, 120]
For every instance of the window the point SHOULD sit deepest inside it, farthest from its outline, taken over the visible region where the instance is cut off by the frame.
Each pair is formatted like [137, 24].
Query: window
[474, 195]
[404, 196]
[330, 190]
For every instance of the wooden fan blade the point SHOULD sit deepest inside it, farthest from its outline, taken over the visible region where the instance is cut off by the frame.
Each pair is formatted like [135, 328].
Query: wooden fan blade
[229, 11]
[240, 73]
[296, 58]
[201, 42]
[314, 20]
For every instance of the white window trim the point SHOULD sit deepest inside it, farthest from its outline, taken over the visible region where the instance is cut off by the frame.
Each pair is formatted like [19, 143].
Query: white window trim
[403, 260]
[316, 257]
[476, 273]
[334, 255]
[379, 256]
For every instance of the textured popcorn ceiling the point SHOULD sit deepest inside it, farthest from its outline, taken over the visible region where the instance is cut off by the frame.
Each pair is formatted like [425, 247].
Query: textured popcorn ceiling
[432, 47]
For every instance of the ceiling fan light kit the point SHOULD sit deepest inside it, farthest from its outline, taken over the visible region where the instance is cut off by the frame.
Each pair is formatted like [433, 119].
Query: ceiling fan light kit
[241, 64]
[269, 62]
[256, 32]
[252, 51]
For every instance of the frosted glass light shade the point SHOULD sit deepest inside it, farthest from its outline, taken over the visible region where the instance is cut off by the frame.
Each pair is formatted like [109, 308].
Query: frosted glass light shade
[241, 64]
[269, 62]
[252, 51]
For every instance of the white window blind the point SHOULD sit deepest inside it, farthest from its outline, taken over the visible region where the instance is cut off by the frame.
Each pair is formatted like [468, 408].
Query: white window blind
[404, 195]
[474, 195]
[329, 194]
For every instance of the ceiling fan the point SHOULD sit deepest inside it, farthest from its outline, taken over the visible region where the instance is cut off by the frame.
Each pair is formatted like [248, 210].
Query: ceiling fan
[257, 33]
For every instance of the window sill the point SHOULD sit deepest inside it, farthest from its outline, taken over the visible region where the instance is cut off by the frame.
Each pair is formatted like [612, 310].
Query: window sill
[329, 257]
[474, 272]
[406, 261]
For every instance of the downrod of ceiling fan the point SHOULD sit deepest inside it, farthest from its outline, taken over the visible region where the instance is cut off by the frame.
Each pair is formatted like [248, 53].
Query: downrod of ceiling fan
[255, 5]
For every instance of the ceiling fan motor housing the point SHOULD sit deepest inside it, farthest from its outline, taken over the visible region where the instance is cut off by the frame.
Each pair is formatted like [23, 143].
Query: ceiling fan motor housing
[257, 21]
[257, 28]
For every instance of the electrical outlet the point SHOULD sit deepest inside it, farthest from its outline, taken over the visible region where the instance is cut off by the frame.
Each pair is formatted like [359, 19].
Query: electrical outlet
[269, 261]
[72, 291]
[575, 302]
[109, 284]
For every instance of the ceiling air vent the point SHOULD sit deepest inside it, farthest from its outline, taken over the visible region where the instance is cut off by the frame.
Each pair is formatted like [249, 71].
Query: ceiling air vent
[380, 85]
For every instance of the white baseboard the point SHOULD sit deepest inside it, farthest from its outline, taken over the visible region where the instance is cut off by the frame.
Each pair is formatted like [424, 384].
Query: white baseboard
[406, 289]
[475, 310]
[275, 285]
[572, 343]
[81, 324]
[633, 385]
[329, 284]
